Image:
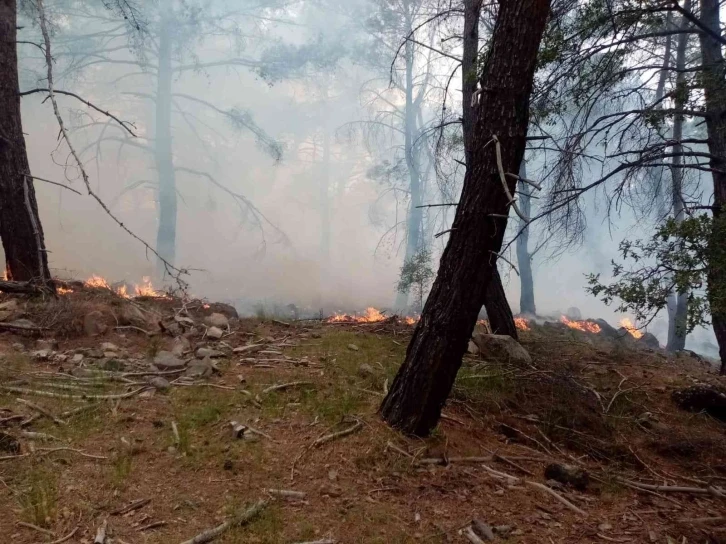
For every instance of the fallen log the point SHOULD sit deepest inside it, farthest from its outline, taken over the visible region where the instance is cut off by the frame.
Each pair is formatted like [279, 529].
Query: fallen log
[236, 521]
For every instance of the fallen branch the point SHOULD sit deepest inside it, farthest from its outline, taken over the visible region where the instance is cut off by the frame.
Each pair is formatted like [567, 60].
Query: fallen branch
[35, 528]
[283, 386]
[19, 287]
[340, 434]
[673, 488]
[236, 521]
[471, 536]
[286, 493]
[152, 525]
[135, 505]
[65, 538]
[23, 391]
[42, 410]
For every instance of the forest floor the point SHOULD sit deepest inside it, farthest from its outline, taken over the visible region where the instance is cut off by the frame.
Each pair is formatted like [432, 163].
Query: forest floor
[169, 454]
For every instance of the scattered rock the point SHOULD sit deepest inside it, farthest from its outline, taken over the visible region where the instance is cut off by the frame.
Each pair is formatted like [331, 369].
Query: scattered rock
[18, 346]
[200, 369]
[184, 321]
[221, 308]
[9, 444]
[94, 324]
[47, 343]
[568, 475]
[217, 320]
[315, 335]
[503, 530]
[110, 354]
[5, 315]
[208, 352]
[77, 358]
[131, 315]
[159, 383]
[228, 464]
[112, 365]
[109, 346]
[649, 340]
[215, 333]
[365, 370]
[353, 347]
[180, 345]
[482, 529]
[332, 475]
[165, 360]
[473, 349]
[702, 398]
[501, 347]
[9, 305]
[41, 354]
[94, 354]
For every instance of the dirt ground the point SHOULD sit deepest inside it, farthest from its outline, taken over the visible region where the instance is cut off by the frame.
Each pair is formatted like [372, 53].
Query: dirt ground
[174, 453]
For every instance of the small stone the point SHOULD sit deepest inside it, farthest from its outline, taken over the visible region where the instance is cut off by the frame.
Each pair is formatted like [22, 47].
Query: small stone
[501, 347]
[353, 347]
[482, 529]
[18, 346]
[365, 370]
[502, 530]
[110, 354]
[41, 354]
[60, 358]
[109, 346]
[200, 369]
[215, 332]
[113, 365]
[9, 444]
[171, 449]
[473, 349]
[604, 527]
[165, 360]
[228, 464]
[568, 475]
[77, 358]
[94, 324]
[47, 343]
[94, 354]
[216, 320]
[159, 383]
[180, 346]
[332, 475]
[315, 335]
[208, 352]
[9, 305]
[183, 320]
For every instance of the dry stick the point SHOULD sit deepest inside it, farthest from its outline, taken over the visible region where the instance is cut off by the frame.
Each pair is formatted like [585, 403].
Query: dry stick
[153, 525]
[286, 493]
[30, 435]
[471, 536]
[65, 538]
[282, 386]
[140, 503]
[719, 519]
[175, 431]
[53, 183]
[241, 519]
[35, 528]
[672, 488]
[23, 391]
[46, 451]
[101, 532]
[340, 434]
[84, 175]
[511, 463]
[42, 410]
[395, 448]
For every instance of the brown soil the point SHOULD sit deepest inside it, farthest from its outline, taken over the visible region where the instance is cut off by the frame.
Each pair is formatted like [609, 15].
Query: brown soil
[606, 410]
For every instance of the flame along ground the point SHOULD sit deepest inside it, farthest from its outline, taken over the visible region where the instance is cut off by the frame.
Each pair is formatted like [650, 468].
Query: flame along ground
[631, 328]
[143, 289]
[586, 326]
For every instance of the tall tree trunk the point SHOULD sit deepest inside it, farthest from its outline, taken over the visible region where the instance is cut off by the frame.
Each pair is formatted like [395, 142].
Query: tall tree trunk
[20, 227]
[496, 305]
[678, 302]
[414, 221]
[163, 155]
[714, 86]
[440, 338]
[524, 259]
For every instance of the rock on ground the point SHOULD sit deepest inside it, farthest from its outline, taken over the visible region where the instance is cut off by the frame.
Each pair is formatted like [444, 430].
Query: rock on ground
[215, 333]
[702, 398]
[217, 320]
[94, 324]
[165, 360]
[501, 347]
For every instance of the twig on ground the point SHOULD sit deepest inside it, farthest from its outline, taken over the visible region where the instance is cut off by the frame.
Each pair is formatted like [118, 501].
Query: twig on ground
[35, 528]
[674, 488]
[135, 505]
[23, 391]
[42, 410]
[286, 493]
[152, 525]
[238, 520]
[282, 386]
[48, 451]
[340, 434]
[175, 432]
[471, 536]
[65, 538]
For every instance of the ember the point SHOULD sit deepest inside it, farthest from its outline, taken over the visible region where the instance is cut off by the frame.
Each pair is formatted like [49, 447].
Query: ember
[585, 326]
[64, 290]
[631, 328]
[521, 323]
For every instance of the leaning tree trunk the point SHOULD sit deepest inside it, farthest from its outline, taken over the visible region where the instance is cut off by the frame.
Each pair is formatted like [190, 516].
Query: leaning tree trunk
[678, 302]
[714, 86]
[440, 338]
[20, 228]
[524, 259]
[163, 155]
[497, 307]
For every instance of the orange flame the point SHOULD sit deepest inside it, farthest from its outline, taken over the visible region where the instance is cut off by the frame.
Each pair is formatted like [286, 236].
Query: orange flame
[408, 320]
[97, 282]
[371, 315]
[521, 323]
[585, 326]
[64, 290]
[631, 328]
[145, 289]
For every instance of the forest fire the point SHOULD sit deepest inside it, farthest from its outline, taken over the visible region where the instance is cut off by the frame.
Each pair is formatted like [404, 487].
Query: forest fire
[522, 324]
[371, 315]
[585, 326]
[631, 328]
[144, 289]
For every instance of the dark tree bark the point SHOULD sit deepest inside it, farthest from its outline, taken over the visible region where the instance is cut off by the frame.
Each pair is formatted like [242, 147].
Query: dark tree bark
[20, 228]
[499, 313]
[714, 88]
[524, 258]
[440, 338]
[496, 305]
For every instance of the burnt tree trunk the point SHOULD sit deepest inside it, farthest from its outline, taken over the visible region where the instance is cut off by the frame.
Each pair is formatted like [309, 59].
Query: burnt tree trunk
[20, 228]
[524, 258]
[497, 307]
[440, 338]
[714, 89]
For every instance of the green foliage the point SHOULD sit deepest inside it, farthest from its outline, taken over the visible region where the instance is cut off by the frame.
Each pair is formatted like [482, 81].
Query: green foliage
[416, 276]
[675, 259]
